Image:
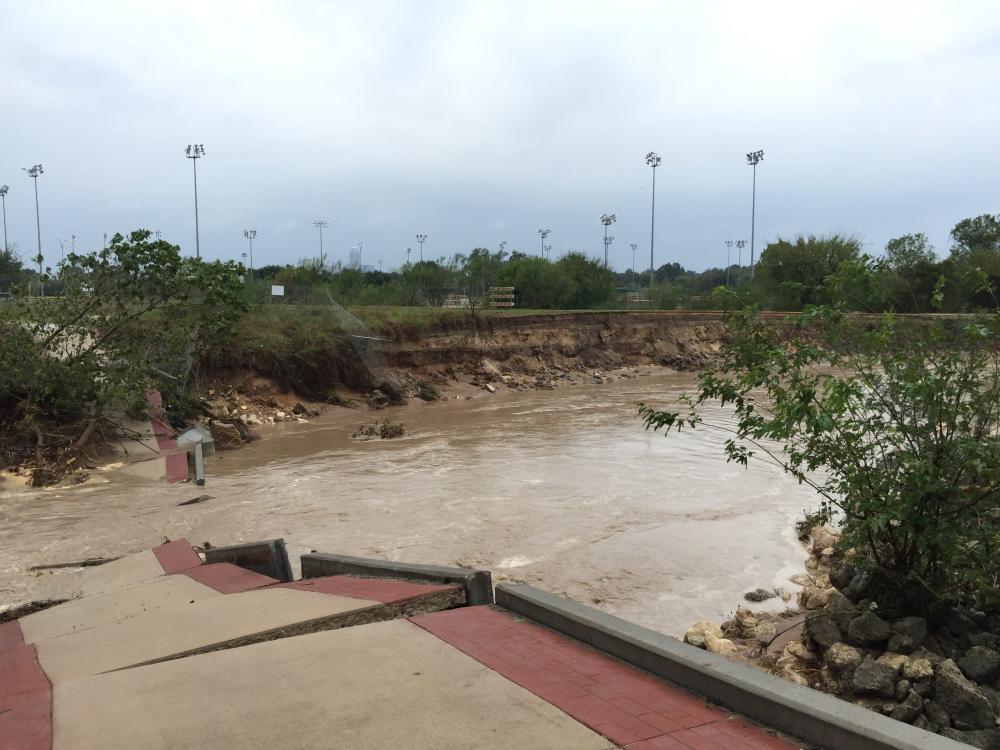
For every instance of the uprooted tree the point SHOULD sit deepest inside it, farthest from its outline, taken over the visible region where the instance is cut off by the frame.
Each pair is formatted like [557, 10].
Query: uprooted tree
[896, 425]
[127, 319]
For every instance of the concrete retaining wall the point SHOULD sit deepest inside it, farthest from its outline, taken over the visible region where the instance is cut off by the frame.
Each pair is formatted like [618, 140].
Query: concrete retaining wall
[801, 712]
[478, 583]
[269, 558]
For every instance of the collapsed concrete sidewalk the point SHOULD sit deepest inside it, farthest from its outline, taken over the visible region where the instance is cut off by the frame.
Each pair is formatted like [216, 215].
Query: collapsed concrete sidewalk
[165, 650]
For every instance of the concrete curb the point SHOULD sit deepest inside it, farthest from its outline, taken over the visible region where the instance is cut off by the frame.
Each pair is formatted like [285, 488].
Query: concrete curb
[269, 558]
[478, 583]
[799, 711]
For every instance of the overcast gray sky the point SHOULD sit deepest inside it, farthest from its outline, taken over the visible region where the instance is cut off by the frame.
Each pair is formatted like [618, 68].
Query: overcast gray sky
[476, 122]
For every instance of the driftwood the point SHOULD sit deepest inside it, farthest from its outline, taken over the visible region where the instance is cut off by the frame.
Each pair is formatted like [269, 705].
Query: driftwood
[88, 563]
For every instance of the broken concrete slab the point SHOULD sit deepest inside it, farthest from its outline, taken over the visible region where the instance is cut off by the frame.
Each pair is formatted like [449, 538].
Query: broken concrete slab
[109, 607]
[377, 686]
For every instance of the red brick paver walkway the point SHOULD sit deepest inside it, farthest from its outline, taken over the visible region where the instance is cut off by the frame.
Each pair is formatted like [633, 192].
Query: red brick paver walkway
[626, 705]
[227, 578]
[25, 694]
[385, 590]
[176, 556]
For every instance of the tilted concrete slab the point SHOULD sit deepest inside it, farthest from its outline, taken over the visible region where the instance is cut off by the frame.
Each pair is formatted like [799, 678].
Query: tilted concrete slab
[376, 686]
[190, 627]
[140, 567]
[163, 593]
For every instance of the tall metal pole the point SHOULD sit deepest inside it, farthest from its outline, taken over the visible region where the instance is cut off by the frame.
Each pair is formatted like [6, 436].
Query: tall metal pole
[197, 233]
[321, 224]
[729, 263]
[653, 160]
[543, 233]
[3, 199]
[753, 159]
[33, 173]
[634, 246]
[753, 218]
[195, 152]
[607, 220]
[250, 234]
[421, 238]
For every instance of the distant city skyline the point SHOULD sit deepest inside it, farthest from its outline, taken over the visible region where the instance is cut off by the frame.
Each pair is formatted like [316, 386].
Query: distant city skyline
[480, 123]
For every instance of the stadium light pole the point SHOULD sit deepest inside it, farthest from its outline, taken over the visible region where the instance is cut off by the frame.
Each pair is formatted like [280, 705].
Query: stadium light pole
[634, 246]
[421, 238]
[3, 200]
[543, 233]
[653, 160]
[194, 152]
[33, 173]
[251, 235]
[753, 159]
[607, 220]
[320, 224]
[408, 251]
[729, 262]
[740, 244]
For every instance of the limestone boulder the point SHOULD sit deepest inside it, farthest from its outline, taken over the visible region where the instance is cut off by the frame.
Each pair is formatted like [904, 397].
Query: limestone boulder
[868, 629]
[980, 664]
[843, 658]
[959, 697]
[874, 678]
[695, 635]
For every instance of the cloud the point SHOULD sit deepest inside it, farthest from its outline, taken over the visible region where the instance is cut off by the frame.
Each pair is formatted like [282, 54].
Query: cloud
[395, 118]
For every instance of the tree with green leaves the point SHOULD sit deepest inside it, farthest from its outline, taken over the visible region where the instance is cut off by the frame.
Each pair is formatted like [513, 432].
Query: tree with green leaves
[793, 273]
[129, 318]
[895, 425]
[591, 284]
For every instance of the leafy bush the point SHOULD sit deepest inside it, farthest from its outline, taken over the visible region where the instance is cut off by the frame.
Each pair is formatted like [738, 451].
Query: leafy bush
[896, 425]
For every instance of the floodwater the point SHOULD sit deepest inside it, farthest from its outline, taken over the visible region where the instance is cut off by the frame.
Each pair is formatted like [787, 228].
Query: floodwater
[561, 489]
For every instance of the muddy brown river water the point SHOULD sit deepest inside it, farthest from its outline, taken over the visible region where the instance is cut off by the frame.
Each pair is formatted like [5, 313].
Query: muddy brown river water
[561, 489]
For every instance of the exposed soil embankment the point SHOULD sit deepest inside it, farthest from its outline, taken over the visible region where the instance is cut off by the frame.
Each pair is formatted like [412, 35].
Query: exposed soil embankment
[589, 340]
[393, 361]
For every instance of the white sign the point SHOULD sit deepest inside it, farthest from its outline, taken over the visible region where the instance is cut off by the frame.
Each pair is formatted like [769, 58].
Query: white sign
[277, 290]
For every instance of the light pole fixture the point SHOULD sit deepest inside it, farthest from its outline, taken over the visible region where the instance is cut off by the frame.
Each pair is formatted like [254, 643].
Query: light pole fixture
[157, 234]
[753, 159]
[543, 233]
[33, 173]
[320, 224]
[729, 262]
[652, 159]
[3, 200]
[408, 251]
[634, 246]
[251, 235]
[194, 152]
[421, 238]
[740, 244]
[546, 249]
[607, 220]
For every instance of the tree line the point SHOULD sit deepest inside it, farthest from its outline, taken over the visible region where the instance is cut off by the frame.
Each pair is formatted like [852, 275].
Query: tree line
[909, 276]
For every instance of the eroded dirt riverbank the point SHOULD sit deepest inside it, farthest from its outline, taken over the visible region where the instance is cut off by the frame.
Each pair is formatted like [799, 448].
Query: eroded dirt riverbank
[562, 489]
